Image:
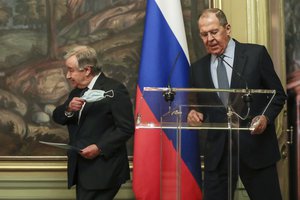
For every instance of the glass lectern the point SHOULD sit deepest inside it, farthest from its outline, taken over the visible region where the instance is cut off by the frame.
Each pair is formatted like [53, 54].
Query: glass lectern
[222, 125]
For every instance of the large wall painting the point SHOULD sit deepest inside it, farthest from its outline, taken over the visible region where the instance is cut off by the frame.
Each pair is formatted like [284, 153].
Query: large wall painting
[34, 37]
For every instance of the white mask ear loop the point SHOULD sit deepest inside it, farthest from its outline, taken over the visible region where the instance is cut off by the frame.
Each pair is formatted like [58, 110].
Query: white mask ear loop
[109, 93]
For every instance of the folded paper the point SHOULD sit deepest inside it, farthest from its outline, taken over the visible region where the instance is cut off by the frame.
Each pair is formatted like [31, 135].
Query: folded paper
[61, 145]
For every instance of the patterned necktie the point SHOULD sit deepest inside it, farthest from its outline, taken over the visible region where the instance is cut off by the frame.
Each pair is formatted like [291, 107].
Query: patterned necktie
[222, 79]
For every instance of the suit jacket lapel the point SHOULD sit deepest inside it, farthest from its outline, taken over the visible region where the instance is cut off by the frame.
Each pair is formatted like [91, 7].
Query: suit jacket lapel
[237, 81]
[208, 71]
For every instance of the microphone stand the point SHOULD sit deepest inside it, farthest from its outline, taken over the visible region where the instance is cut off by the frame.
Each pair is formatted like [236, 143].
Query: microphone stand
[169, 95]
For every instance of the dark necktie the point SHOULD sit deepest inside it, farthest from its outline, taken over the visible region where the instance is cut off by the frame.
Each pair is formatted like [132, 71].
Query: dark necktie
[83, 91]
[222, 79]
[81, 94]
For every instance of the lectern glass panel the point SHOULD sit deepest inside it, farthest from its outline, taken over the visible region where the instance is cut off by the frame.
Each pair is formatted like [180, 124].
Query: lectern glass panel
[213, 141]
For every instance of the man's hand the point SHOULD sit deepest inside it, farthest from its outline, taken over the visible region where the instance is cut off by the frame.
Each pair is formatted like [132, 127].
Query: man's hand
[259, 123]
[194, 118]
[90, 152]
[75, 104]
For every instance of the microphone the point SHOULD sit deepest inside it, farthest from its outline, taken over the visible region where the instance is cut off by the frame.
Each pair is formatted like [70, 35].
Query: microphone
[246, 97]
[169, 95]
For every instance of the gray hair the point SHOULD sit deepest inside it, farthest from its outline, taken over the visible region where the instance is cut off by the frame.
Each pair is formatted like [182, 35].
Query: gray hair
[86, 57]
[219, 14]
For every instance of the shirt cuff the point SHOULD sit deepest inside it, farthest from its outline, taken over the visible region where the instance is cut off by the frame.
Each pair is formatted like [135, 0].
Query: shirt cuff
[69, 114]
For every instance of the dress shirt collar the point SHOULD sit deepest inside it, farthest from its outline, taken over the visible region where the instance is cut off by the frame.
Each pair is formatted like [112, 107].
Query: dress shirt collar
[93, 81]
[228, 53]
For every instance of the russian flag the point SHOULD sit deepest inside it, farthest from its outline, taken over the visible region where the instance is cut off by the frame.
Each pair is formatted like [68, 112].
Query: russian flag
[164, 42]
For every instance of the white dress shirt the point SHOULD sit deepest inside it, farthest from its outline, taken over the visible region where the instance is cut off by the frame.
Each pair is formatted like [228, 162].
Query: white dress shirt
[229, 57]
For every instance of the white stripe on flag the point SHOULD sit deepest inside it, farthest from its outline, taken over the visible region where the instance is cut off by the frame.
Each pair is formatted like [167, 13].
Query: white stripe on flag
[172, 12]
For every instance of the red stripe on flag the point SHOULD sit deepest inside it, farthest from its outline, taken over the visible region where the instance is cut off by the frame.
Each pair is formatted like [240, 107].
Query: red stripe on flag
[172, 176]
[155, 162]
[146, 159]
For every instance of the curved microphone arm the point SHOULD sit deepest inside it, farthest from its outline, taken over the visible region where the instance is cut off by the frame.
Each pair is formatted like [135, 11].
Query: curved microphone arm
[241, 117]
[169, 95]
[247, 98]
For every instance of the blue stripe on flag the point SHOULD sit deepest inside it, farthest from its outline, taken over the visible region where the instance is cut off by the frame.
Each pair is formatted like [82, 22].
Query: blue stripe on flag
[160, 48]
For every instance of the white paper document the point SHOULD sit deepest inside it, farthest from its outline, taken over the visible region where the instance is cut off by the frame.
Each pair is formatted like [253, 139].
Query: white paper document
[61, 145]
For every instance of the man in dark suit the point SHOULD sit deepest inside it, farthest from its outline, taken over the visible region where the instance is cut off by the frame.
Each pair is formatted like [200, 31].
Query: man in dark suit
[99, 124]
[247, 65]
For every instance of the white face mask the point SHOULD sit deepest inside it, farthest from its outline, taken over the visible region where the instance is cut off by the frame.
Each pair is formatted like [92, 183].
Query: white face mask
[97, 95]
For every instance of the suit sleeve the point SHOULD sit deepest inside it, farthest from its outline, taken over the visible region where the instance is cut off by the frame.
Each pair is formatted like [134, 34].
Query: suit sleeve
[271, 81]
[123, 129]
[59, 116]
